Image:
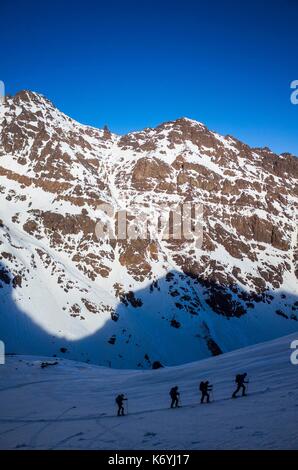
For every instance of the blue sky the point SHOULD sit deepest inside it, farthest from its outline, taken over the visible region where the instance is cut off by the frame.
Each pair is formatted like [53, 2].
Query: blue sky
[133, 64]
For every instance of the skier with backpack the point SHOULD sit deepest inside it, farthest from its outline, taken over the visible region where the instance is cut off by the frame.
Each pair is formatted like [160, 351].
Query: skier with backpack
[240, 381]
[174, 394]
[205, 387]
[119, 400]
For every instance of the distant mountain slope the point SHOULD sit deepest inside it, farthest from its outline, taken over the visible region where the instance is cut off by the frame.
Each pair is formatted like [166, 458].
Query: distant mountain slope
[130, 303]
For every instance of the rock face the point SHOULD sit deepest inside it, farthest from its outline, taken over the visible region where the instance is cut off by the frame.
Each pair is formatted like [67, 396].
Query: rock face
[148, 298]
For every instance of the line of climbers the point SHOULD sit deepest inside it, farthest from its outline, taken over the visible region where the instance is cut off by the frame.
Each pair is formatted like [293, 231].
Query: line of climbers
[205, 388]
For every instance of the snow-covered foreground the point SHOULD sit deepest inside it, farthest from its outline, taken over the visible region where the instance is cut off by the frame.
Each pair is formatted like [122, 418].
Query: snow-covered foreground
[71, 405]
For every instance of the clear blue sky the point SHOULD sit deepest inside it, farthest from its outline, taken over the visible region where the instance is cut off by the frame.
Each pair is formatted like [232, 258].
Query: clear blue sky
[133, 64]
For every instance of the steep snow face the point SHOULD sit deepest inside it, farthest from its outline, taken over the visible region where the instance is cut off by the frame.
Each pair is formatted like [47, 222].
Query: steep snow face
[136, 302]
[71, 405]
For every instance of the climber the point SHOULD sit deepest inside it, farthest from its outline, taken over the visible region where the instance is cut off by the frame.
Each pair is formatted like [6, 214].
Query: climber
[119, 400]
[204, 389]
[174, 394]
[240, 381]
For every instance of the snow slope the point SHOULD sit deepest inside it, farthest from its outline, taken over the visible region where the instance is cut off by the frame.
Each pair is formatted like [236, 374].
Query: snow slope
[71, 405]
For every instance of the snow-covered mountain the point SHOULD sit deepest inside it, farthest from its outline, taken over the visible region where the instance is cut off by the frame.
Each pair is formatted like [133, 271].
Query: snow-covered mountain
[136, 302]
[71, 405]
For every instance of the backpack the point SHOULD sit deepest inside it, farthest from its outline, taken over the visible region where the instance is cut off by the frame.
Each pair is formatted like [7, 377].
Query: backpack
[119, 400]
[238, 378]
[202, 386]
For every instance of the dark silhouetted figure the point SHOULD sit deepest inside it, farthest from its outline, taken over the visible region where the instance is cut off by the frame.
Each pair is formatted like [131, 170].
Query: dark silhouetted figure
[119, 400]
[174, 394]
[204, 389]
[240, 381]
